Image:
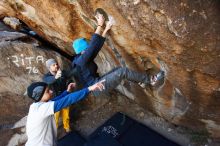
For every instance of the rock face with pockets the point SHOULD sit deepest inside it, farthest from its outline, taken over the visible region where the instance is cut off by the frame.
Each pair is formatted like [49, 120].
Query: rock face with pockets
[179, 37]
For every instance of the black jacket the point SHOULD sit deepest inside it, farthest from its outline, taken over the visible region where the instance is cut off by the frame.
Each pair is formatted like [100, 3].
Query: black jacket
[57, 85]
[86, 67]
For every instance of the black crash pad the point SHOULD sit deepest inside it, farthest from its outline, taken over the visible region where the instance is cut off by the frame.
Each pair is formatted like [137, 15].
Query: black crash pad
[103, 140]
[119, 130]
[71, 139]
[116, 126]
[140, 135]
[129, 132]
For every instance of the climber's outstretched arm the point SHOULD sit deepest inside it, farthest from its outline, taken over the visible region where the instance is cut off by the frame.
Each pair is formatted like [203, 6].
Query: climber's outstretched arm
[100, 21]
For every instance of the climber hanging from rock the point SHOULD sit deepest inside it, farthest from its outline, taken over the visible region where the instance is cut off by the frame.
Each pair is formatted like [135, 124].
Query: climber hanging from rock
[87, 68]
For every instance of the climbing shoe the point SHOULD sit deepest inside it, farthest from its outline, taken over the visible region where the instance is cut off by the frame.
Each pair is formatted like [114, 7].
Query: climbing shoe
[156, 78]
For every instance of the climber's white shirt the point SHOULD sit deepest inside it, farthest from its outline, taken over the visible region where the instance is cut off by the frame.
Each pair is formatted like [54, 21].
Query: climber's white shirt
[41, 128]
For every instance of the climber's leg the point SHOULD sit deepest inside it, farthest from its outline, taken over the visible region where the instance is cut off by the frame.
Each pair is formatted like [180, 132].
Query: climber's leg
[114, 78]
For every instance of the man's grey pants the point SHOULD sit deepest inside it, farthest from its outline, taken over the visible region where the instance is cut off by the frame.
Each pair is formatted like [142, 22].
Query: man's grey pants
[115, 76]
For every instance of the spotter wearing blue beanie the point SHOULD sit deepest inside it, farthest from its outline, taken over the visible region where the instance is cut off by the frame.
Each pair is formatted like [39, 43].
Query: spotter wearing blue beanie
[80, 45]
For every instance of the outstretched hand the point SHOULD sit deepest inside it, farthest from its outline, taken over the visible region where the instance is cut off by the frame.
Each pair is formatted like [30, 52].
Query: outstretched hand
[100, 19]
[108, 25]
[71, 87]
[98, 86]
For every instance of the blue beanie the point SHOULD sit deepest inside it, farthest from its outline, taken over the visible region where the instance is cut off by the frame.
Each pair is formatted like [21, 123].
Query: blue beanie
[80, 45]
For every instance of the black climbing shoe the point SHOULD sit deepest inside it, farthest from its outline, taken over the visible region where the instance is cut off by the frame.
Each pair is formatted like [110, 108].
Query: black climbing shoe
[154, 80]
